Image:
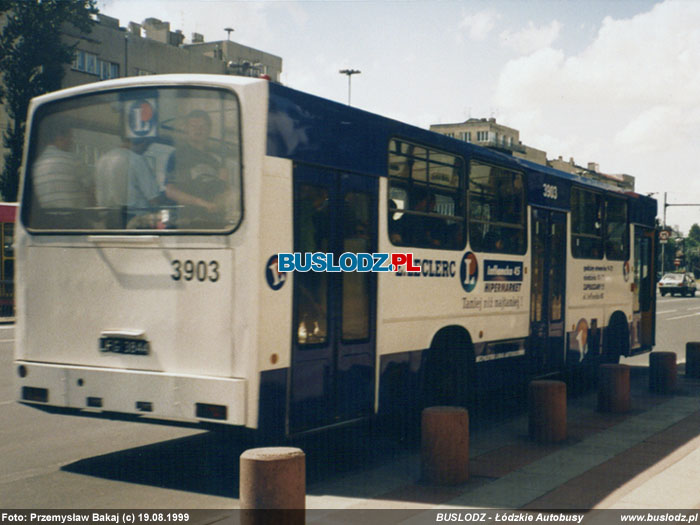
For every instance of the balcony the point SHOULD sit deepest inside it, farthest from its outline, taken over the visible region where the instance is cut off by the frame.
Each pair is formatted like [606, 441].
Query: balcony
[501, 146]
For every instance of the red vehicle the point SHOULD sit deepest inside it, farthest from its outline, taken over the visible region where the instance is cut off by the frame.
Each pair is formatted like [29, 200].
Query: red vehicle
[8, 213]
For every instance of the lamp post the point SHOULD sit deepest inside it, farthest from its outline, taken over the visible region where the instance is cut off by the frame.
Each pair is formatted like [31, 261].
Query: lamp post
[349, 73]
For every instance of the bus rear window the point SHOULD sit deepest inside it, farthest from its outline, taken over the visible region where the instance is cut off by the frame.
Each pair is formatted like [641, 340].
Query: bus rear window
[157, 159]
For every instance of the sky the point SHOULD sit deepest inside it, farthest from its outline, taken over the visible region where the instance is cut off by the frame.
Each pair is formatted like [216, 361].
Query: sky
[616, 82]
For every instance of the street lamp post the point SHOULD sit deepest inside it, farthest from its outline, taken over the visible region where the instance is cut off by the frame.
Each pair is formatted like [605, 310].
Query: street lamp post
[349, 73]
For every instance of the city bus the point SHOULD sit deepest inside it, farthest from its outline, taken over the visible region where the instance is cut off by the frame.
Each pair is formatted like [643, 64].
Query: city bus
[172, 306]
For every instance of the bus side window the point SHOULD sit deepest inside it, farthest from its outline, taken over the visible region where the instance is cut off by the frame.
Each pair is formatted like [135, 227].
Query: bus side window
[586, 224]
[496, 209]
[426, 197]
[616, 229]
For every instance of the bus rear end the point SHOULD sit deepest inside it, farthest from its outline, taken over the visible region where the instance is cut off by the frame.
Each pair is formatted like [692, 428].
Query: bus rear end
[130, 240]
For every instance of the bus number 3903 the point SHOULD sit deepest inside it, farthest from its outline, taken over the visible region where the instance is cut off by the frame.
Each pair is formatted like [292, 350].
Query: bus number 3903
[200, 270]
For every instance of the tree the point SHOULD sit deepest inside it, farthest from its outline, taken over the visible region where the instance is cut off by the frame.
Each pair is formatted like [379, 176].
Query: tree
[692, 249]
[695, 233]
[32, 60]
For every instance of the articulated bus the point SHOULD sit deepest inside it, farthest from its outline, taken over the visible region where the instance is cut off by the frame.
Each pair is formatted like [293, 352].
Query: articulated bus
[171, 304]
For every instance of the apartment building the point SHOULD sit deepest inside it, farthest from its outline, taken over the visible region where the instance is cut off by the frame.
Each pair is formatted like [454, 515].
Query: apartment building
[490, 134]
[151, 47]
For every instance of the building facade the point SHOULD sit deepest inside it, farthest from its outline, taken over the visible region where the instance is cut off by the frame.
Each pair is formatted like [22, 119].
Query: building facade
[592, 170]
[490, 134]
[111, 51]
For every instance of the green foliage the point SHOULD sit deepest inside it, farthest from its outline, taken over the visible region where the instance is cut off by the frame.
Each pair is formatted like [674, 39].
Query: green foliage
[692, 250]
[694, 233]
[686, 249]
[32, 60]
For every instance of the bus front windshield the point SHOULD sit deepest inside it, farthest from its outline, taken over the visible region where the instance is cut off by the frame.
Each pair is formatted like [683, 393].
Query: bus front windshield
[160, 159]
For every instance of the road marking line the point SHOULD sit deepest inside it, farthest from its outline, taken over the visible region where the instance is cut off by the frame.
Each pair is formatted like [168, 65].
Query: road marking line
[682, 317]
[666, 312]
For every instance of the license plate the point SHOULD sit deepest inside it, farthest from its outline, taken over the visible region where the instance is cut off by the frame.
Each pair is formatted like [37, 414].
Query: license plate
[124, 345]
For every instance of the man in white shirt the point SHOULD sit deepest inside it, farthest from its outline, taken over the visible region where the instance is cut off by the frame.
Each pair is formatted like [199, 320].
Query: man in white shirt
[60, 179]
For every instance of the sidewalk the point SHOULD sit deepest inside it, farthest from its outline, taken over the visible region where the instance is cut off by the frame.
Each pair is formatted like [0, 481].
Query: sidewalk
[648, 458]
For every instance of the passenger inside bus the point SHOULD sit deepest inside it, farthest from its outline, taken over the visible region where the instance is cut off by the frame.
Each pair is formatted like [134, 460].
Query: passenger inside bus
[418, 229]
[125, 180]
[195, 177]
[60, 178]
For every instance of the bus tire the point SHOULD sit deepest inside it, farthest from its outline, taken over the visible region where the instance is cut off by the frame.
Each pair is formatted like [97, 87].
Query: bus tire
[616, 339]
[449, 371]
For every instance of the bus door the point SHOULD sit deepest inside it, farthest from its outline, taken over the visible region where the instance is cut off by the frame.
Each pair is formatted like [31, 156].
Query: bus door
[645, 296]
[548, 292]
[333, 359]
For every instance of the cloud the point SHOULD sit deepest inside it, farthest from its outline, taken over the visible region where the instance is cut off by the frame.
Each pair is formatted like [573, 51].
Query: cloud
[628, 101]
[479, 25]
[531, 38]
[643, 134]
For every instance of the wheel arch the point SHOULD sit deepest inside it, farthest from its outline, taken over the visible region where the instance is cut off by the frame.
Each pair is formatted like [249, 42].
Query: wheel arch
[451, 354]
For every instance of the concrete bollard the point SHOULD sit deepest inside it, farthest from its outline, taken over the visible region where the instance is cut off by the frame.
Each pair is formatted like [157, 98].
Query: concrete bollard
[692, 360]
[614, 388]
[445, 445]
[547, 409]
[662, 372]
[273, 485]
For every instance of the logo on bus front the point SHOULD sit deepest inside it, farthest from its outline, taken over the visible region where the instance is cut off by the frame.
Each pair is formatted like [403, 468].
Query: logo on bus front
[141, 119]
[469, 272]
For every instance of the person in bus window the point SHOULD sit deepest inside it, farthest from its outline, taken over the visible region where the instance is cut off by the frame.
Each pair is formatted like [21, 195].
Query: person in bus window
[195, 177]
[418, 229]
[125, 178]
[60, 178]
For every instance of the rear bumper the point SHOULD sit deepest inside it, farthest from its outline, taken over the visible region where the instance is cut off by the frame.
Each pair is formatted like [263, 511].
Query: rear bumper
[676, 289]
[156, 395]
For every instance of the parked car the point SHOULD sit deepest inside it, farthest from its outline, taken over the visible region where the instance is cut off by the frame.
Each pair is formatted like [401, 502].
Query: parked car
[678, 283]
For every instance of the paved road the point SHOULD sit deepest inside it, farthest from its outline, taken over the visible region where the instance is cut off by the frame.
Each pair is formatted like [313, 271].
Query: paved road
[677, 322]
[53, 461]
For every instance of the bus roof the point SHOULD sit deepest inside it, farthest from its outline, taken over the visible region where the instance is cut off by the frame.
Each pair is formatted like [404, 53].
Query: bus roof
[300, 124]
